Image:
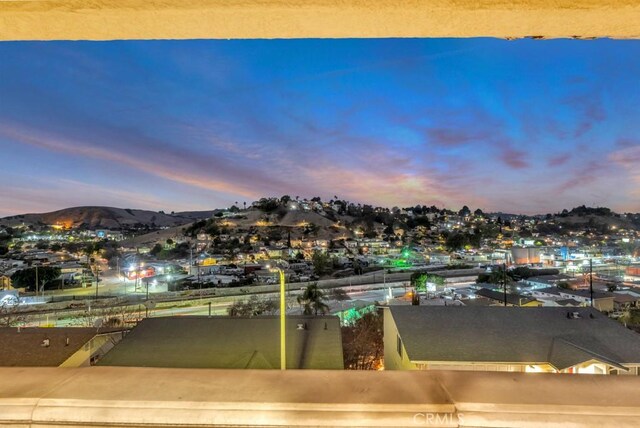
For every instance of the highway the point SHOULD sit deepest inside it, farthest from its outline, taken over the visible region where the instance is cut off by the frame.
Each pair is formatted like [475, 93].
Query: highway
[111, 285]
[371, 287]
[200, 306]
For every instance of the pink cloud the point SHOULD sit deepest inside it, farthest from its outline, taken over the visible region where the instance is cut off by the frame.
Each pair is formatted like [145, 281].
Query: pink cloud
[109, 154]
[456, 137]
[513, 158]
[559, 160]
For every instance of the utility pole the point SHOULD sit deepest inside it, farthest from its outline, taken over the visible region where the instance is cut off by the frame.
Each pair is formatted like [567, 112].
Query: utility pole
[37, 285]
[504, 280]
[591, 280]
[97, 278]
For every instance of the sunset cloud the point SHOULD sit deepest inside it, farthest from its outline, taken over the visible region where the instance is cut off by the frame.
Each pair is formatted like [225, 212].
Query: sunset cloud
[516, 126]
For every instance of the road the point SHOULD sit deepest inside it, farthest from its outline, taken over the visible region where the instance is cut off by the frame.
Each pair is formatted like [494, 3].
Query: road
[370, 287]
[219, 305]
[111, 285]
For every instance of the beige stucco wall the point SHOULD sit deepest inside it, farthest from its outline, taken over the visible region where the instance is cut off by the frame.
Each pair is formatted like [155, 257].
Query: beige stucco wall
[392, 360]
[184, 19]
[151, 397]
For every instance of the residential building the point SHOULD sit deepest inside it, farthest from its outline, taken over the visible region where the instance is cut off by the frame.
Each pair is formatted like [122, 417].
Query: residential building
[54, 347]
[603, 302]
[489, 338]
[498, 297]
[5, 282]
[230, 342]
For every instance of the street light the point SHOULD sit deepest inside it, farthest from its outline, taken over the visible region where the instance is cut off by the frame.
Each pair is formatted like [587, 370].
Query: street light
[283, 311]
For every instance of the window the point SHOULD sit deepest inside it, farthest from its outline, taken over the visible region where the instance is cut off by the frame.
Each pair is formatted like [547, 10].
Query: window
[399, 344]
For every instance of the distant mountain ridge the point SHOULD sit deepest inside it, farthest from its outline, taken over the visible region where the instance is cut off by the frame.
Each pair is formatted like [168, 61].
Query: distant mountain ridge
[102, 217]
[97, 217]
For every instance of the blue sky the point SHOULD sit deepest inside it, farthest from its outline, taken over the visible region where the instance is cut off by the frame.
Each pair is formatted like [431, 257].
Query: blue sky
[519, 126]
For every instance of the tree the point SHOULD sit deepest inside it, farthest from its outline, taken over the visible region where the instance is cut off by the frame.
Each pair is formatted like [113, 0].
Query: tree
[363, 347]
[26, 278]
[465, 211]
[339, 294]
[312, 300]
[108, 317]
[456, 241]
[419, 280]
[522, 272]
[11, 316]
[157, 249]
[89, 249]
[252, 307]
[285, 199]
[631, 318]
[388, 230]
[42, 245]
[321, 263]
[496, 276]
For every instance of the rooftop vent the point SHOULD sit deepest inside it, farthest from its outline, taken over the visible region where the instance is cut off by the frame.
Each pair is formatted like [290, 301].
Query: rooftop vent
[573, 315]
[300, 326]
[45, 343]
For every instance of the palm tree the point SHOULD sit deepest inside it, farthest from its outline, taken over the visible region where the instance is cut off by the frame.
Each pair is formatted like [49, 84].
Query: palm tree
[312, 300]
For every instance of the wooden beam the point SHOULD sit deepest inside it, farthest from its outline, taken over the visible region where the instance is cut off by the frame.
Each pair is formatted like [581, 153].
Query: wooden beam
[241, 19]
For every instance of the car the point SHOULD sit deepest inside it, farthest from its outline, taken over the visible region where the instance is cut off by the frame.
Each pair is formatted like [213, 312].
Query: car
[9, 300]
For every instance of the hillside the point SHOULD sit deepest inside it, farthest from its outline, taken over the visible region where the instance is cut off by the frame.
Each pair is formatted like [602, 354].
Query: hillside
[155, 237]
[102, 218]
[195, 215]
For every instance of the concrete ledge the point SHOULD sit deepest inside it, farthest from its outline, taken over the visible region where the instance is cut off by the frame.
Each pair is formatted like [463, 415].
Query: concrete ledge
[221, 19]
[132, 397]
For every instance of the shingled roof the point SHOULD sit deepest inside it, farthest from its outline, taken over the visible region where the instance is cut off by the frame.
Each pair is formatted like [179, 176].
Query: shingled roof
[498, 296]
[514, 335]
[26, 346]
[230, 342]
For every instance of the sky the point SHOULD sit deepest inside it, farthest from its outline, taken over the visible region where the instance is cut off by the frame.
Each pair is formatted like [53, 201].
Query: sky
[526, 126]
